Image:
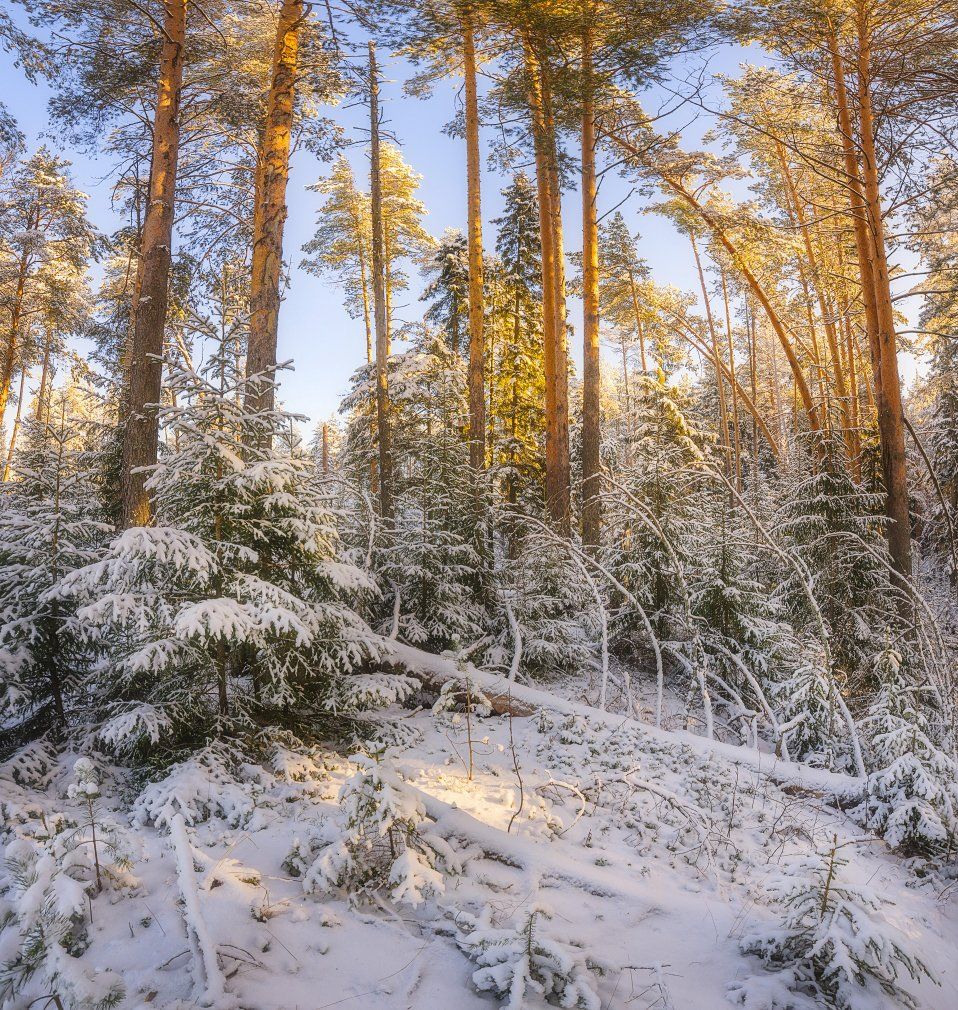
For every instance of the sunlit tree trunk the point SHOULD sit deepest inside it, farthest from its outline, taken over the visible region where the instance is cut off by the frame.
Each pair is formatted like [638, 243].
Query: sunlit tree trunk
[559, 424]
[716, 360]
[141, 432]
[862, 186]
[591, 373]
[269, 211]
[12, 350]
[891, 419]
[383, 420]
[477, 346]
[557, 496]
[736, 433]
[15, 430]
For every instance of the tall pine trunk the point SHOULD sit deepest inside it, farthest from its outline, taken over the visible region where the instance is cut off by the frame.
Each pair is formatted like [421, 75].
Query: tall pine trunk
[477, 346]
[383, 420]
[861, 184]
[891, 419]
[554, 340]
[591, 373]
[269, 211]
[141, 432]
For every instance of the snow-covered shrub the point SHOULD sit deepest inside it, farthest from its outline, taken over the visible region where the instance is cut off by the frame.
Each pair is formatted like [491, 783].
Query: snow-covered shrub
[50, 524]
[651, 525]
[831, 937]
[361, 692]
[912, 797]
[522, 960]
[382, 844]
[203, 786]
[834, 527]
[235, 605]
[802, 696]
[46, 890]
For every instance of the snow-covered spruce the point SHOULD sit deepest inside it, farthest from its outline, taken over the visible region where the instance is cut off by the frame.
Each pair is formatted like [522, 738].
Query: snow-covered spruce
[234, 607]
[912, 793]
[50, 524]
[831, 939]
[520, 961]
[383, 843]
[49, 879]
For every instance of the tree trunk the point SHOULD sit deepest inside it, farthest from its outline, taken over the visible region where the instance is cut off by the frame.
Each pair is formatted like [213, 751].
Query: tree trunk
[383, 421]
[563, 477]
[638, 320]
[141, 433]
[849, 434]
[861, 183]
[15, 431]
[891, 420]
[736, 430]
[591, 374]
[12, 350]
[547, 266]
[269, 210]
[477, 345]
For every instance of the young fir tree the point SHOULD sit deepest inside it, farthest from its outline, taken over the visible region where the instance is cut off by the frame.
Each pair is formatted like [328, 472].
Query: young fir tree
[51, 523]
[834, 527]
[234, 607]
[831, 941]
[652, 526]
[448, 290]
[429, 563]
[912, 797]
[517, 386]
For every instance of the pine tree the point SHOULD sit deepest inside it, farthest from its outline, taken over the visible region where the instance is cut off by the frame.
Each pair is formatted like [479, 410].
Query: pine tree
[912, 797]
[448, 290]
[234, 607]
[51, 523]
[517, 387]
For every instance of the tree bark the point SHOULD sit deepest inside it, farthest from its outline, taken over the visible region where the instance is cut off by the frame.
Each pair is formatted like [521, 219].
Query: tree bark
[891, 420]
[12, 350]
[591, 370]
[15, 431]
[477, 345]
[141, 433]
[563, 477]
[716, 359]
[554, 349]
[383, 420]
[269, 210]
[862, 185]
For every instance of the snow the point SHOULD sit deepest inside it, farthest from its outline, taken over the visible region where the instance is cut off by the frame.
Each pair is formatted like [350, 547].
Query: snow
[531, 699]
[213, 983]
[645, 860]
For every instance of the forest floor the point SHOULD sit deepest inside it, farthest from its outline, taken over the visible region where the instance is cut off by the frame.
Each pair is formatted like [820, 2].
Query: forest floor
[648, 853]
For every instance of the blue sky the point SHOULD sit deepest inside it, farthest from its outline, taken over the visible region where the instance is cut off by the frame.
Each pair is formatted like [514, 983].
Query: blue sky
[315, 331]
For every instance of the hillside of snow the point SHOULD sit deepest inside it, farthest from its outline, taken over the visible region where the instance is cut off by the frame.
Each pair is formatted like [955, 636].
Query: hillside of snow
[589, 861]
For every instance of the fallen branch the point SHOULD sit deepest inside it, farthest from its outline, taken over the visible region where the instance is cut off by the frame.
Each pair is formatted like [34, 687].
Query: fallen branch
[209, 975]
[506, 697]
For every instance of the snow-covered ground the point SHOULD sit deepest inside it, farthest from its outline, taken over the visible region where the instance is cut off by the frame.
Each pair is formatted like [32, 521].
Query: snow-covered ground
[643, 858]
